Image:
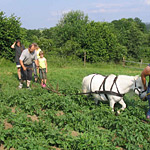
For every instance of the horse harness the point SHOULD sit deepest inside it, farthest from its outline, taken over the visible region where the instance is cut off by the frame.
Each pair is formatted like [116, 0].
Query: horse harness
[104, 91]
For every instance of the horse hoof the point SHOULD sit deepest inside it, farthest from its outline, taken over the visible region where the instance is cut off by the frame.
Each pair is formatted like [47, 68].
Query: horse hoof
[118, 113]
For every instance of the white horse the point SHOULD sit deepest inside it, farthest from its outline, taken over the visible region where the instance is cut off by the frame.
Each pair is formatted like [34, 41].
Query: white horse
[112, 88]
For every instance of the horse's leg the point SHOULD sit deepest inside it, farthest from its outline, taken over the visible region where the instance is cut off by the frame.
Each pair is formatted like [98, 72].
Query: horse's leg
[96, 98]
[122, 103]
[96, 101]
[112, 103]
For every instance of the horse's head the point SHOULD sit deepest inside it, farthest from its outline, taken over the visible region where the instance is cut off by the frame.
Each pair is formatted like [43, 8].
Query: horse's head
[139, 88]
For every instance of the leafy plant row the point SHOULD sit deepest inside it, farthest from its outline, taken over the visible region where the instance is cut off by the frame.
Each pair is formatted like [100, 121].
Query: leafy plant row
[95, 125]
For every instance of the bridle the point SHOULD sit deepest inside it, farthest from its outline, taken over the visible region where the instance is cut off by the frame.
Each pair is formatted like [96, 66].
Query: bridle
[137, 89]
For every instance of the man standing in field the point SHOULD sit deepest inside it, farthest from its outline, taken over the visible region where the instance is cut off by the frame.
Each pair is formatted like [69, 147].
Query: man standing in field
[144, 74]
[26, 60]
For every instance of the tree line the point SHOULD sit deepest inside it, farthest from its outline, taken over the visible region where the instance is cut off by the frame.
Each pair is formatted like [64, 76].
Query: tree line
[75, 34]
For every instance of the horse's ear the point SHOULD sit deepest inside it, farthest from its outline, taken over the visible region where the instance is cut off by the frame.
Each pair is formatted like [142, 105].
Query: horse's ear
[136, 77]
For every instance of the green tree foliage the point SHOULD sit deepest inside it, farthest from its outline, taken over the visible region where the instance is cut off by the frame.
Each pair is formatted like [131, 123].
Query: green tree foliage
[75, 34]
[130, 35]
[10, 30]
[48, 36]
[140, 24]
[33, 35]
[70, 49]
[49, 33]
[41, 37]
[145, 48]
[101, 43]
[45, 44]
[71, 27]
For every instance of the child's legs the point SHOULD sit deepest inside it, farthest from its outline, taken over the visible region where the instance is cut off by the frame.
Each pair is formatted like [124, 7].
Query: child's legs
[41, 76]
[19, 73]
[40, 73]
[41, 82]
[18, 70]
[45, 81]
[44, 75]
[28, 83]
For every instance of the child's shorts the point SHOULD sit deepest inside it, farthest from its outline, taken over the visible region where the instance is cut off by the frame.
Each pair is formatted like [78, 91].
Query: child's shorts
[42, 73]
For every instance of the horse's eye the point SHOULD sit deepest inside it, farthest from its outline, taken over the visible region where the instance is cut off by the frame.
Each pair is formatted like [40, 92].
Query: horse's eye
[140, 87]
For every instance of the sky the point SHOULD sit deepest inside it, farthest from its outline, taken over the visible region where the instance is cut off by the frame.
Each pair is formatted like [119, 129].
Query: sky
[36, 14]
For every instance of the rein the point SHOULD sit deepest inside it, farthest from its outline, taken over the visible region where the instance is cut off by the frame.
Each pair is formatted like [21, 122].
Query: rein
[102, 92]
[95, 92]
[105, 92]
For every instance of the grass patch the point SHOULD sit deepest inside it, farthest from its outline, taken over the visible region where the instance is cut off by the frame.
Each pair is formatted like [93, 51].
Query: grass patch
[42, 120]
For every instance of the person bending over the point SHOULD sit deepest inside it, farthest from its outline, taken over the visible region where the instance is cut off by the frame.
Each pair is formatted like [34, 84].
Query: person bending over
[26, 59]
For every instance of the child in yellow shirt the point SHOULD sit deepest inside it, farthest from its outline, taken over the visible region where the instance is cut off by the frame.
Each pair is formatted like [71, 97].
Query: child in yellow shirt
[42, 68]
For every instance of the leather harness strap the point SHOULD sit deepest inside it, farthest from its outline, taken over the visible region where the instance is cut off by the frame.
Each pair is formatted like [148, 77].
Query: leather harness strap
[104, 91]
[91, 82]
[115, 84]
[103, 83]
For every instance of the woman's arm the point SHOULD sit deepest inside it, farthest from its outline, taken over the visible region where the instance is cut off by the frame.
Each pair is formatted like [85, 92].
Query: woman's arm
[13, 46]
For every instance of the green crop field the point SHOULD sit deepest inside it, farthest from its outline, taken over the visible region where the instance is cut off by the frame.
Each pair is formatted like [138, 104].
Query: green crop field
[43, 120]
